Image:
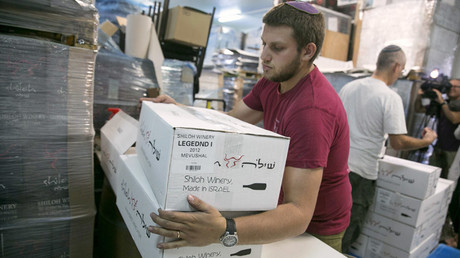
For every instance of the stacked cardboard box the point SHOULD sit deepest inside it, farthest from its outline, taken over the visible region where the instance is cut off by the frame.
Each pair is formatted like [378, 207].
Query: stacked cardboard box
[184, 150]
[409, 211]
[76, 21]
[236, 60]
[46, 134]
[188, 26]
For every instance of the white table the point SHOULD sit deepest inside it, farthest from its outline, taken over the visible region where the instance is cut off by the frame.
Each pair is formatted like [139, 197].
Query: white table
[302, 246]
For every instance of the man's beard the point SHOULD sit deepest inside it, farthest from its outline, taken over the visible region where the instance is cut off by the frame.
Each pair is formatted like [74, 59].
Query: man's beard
[286, 73]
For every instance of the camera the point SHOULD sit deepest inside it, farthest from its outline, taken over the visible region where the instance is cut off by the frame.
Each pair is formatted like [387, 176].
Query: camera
[435, 81]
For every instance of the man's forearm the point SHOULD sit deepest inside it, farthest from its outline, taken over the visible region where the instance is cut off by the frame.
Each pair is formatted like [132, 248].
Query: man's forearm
[283, 222]
[453, 116]
[406, 143]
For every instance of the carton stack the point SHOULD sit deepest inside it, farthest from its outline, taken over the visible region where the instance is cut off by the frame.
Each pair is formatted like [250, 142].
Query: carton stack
[409, 211]
[47, 206]
[236, 60]
[186, 150]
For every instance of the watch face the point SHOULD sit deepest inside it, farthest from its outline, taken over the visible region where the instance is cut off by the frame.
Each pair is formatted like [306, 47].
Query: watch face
[230, 240]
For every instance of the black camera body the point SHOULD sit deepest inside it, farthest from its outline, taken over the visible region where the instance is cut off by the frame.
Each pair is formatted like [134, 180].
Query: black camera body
[440, 83]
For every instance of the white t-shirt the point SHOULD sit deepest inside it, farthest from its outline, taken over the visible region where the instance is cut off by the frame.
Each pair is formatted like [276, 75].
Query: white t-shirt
[373, 112]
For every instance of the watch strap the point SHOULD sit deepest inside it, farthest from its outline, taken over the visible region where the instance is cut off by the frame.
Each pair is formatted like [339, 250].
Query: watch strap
[231, 226]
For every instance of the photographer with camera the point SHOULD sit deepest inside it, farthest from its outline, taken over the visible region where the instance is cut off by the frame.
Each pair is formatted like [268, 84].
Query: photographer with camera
[448, 117]
[374, 112]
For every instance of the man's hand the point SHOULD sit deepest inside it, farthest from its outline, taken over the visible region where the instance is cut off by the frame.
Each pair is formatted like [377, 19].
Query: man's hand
[439, 97]
[160, 99]
[198, 228]
[429, 134]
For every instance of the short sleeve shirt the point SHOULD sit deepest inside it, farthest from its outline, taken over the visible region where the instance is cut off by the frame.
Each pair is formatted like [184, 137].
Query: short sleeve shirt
[374, 111]
[312, 115]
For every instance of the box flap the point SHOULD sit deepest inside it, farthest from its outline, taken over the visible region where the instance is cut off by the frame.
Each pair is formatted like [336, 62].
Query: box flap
[121, 129]
[408, 163]
[131, 163]
[185, 117]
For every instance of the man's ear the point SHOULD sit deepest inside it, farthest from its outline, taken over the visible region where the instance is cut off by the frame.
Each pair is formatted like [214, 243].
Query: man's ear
[309, 51]
[396, 67]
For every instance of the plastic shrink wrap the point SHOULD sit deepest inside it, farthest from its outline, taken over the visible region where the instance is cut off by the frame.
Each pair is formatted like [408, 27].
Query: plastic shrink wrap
[119, 81]
[47, 206]
[109, 10]
[178, 80]
[75, 19]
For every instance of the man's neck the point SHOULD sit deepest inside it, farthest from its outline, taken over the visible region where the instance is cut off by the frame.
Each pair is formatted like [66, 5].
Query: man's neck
[381, 77]
[291, 83]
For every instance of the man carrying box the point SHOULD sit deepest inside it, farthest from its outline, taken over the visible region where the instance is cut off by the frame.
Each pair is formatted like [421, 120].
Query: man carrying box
[294, 99]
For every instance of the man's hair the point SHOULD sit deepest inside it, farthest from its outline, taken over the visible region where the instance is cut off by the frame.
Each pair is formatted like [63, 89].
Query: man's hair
[308, 28]
[388, 57]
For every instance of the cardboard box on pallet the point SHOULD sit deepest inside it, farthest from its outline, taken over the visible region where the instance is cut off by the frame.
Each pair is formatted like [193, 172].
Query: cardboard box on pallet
[410, 210]
[407, 177]
[358, 248]
[49, 237]
[400, 235]
[46, 137]
[136, 201]
[230, 164]
[379, 249]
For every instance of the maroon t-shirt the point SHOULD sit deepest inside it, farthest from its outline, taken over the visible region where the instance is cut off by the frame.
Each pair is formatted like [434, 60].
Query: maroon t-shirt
[312, 115]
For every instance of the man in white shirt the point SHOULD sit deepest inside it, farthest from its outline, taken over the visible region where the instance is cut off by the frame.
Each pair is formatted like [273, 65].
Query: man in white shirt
[374, 112]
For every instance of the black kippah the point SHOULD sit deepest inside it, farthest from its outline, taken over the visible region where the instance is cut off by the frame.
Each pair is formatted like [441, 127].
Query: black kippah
[391, 48]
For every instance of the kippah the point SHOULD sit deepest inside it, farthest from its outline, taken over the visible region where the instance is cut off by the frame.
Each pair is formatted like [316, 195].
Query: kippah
[391, 48]
[303, 6]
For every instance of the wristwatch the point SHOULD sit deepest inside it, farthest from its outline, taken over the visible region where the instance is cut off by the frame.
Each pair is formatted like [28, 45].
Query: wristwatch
[443, 103]
[230, 237]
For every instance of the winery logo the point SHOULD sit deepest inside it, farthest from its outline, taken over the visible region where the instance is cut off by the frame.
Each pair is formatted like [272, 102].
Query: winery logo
[385, 172]
[232, 161]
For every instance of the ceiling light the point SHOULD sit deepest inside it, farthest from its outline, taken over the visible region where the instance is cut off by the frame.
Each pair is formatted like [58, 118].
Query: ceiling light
[230, 15]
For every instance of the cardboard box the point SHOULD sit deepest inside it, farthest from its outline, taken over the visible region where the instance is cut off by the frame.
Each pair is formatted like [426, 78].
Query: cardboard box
[407, 177]
[412, 211]
[335, 45]
[359, 247]
[108, 28]
[230, 164]
[188, 26]
[117, 136]
[378, 249]
[398, 234]
[136, 201]
[50, 237]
